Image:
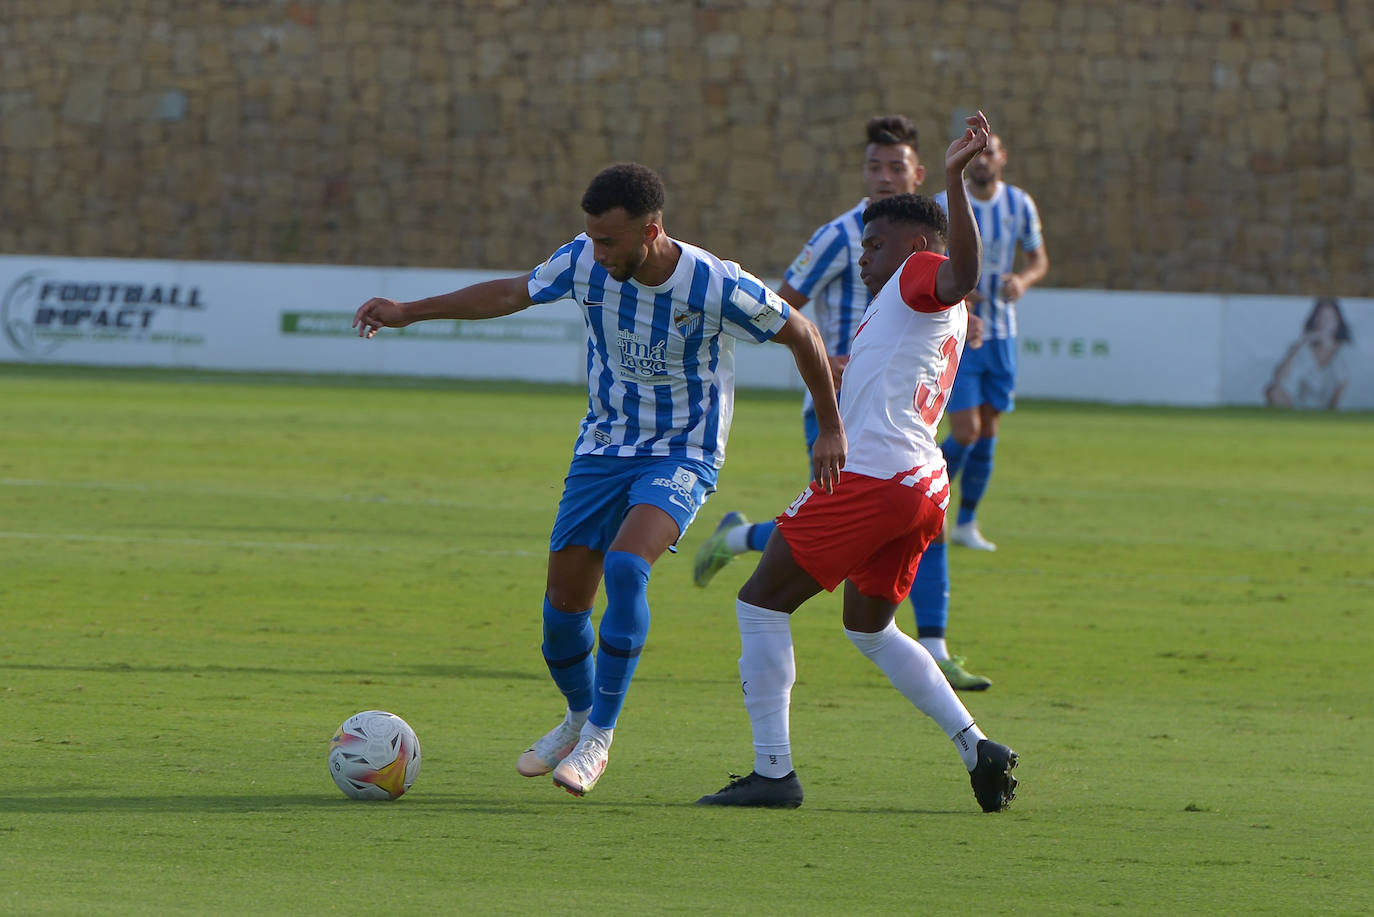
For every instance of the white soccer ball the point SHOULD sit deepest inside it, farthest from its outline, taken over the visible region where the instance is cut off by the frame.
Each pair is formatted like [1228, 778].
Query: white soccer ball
[374, 755]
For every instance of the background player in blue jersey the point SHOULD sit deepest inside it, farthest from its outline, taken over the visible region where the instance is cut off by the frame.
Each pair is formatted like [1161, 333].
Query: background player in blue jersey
[661, 317]
[827, 273]
[984, 389]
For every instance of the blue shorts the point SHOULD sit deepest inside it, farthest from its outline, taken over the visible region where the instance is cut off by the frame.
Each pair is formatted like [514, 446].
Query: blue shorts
[987, 375]
[600, 489]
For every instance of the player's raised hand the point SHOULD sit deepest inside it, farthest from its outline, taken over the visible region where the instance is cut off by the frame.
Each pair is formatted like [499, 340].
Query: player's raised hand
[970, 144]
[378, 313]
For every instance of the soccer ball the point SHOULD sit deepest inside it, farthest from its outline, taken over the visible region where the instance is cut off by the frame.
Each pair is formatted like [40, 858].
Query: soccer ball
[374, 755]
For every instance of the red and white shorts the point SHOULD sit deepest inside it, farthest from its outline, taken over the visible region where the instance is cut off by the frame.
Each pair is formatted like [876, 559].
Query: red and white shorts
[871, 532]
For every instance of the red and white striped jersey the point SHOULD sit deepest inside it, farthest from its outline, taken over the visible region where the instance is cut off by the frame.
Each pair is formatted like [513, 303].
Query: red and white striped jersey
[902, 364]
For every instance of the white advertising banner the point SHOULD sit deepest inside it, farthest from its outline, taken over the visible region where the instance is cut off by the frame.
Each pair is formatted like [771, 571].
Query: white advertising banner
[1122, 347]
[293, 318]
[1084, 345]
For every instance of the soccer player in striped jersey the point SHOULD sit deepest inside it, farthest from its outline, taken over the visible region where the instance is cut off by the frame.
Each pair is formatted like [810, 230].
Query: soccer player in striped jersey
[984, 389]
[889, 502]
[661, 318]
[827, 272]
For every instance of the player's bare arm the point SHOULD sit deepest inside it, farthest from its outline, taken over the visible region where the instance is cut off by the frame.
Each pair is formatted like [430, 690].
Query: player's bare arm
[957, 276]
[792, 297]
[798, 301]
[489, 299]
[803, 338]
[1037, 266]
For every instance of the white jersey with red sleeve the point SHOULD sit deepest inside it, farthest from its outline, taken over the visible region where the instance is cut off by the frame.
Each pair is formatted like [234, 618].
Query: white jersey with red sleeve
[902, 364]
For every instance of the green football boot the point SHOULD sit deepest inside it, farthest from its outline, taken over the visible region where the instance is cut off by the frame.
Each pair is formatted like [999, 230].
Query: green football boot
[958, 678]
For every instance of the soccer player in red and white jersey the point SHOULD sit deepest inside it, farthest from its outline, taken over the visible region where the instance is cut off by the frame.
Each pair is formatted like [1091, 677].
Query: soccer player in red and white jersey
[890, 501]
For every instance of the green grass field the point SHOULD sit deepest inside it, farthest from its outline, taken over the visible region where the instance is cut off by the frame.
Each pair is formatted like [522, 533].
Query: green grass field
[204, 574]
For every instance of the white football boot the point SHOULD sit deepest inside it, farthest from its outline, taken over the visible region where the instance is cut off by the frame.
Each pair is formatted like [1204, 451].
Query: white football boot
[967, 534]
[579, 771]
[545, 754]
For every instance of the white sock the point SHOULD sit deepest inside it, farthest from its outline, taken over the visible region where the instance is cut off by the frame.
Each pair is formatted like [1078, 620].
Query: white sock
[912, 671]
[575, 718]
[935, 646]
[966, 741]
[767, 671]
[594, 732]
[737, 539]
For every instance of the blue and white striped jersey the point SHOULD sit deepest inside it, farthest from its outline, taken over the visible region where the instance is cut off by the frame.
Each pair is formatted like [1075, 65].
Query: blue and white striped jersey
[827, 273]
[1004, 220]
[660, 360]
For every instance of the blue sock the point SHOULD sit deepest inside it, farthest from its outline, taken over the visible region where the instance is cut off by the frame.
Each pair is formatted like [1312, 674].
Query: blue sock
[759, 533]
[930, 591]
[624, 628]
[977, 470]
[567, 649]
[955, 453]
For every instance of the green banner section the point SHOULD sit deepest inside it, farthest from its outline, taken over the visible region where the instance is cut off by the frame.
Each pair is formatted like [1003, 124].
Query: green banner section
[530, 331]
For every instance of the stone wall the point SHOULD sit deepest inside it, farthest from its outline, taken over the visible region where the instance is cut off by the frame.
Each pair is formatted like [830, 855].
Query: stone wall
[1206, 146]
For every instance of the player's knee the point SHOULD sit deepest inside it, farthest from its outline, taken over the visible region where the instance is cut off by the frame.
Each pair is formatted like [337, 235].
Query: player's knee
[965, 429]
[761, 593]
[571, 601]
[625, 573]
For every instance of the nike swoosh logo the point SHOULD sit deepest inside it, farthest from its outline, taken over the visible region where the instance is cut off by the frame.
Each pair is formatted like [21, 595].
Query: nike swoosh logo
[593, 302]
[672, 498]
[610, 693]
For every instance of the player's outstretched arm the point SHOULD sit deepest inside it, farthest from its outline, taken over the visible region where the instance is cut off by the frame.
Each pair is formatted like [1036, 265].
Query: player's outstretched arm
[803, 338]
[489, 299]
[959, 274]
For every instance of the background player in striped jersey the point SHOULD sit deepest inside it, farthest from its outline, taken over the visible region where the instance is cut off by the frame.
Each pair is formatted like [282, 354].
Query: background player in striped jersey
[984, 389]
[889, 503]
[661, 316]
[827, 273]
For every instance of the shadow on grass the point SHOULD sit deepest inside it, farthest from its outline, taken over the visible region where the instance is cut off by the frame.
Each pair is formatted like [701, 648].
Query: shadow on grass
[428, 803]
[413, 671]
[418, 671]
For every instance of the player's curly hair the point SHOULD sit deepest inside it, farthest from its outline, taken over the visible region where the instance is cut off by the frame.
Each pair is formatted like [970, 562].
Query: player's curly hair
[889, 130]
[914, 209]
[630, 185]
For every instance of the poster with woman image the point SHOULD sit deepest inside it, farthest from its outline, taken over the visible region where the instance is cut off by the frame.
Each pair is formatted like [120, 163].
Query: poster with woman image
[1314, 373]
[1312, 354]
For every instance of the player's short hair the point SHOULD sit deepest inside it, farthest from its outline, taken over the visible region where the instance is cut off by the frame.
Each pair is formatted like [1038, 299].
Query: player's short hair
[630, 185]
[890, 130]
[913, 209]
